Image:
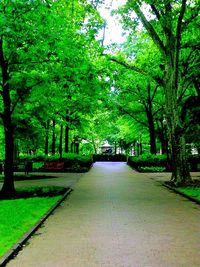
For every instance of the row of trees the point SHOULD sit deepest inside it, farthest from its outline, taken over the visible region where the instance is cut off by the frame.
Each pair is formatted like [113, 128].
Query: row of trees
[162, 54]
[48, 71]
[58, 83]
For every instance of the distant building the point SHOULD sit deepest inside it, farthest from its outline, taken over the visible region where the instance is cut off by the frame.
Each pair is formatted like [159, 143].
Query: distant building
[106, 149]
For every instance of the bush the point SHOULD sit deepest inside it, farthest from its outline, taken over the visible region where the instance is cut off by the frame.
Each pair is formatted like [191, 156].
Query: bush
[194, 161]
[115, 158]
[76, 161]
[151, 169]
[73, 162]
[36, 158]
[37, 165]
[148, 161]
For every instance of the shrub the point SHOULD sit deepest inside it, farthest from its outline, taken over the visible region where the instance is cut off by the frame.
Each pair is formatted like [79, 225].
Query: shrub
[151, 169]
[148, 161]
[102, 157]
[194, 161]
[72, 162]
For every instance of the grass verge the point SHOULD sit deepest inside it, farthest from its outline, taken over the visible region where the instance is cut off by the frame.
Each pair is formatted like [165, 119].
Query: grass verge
[191, 192]
[19, 215]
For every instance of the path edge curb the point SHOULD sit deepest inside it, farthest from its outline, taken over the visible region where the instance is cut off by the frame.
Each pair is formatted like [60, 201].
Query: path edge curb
[19, 245]
[182, 194]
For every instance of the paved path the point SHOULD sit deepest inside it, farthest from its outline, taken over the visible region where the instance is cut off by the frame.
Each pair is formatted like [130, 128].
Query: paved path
[116, 217]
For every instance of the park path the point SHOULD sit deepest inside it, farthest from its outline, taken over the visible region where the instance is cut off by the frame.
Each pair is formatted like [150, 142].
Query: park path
[116, 217]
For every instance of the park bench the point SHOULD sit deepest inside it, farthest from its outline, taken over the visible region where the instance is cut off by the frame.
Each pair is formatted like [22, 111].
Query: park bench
[53, 165]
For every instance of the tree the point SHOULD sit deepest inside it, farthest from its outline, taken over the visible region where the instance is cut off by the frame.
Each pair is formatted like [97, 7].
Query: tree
[138, 95]
[168, 24]
[36, 41]
[17, 48]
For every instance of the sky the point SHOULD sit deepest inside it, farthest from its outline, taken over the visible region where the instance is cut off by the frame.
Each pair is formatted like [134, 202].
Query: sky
[113, 33]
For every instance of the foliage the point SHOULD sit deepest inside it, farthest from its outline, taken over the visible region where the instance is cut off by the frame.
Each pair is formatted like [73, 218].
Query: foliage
[117, 157]
[194, 161]
[72, 162]
[46, 71]
[148, 161]
[56, 85]
[151, 169]
[169, 25]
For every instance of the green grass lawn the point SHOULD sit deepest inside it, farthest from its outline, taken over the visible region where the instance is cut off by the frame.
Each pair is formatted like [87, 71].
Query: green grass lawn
[190, 191]
[18, 216]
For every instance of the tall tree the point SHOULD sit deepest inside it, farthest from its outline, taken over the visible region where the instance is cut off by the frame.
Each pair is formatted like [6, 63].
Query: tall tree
[17, 49]
[168, 24]
[136, 94]
[38, 39]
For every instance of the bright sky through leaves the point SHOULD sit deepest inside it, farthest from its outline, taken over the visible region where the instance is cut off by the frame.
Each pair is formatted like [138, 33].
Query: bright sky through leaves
[113, 33]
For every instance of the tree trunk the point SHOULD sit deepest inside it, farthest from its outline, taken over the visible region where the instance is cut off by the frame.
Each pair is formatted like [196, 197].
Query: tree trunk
[67, 132]
[163, 139]
[53, 147]
[170, 47]
[76, 147]
[179, 161]
[72, 147]
[8, 189]
[151, 133]
[94, 146]
[61, 138]
[16, 152]
[138, 149]
[46, 148]
[140, 145]
[67, 139]
[115, 148]
[162, 135]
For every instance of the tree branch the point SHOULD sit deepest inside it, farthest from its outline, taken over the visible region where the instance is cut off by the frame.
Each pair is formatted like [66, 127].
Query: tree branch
[194, 15]
[130, 114]
[22, 94]
[35, 62]
[189, 45]
[149, 28]
[179, 26]
[154, 113]
[133, 117]
[155, 11]
[143, 100]
[136, 69]
[154, 92]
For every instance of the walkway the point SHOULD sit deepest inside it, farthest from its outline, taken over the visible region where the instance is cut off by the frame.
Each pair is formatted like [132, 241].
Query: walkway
[116, 217]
